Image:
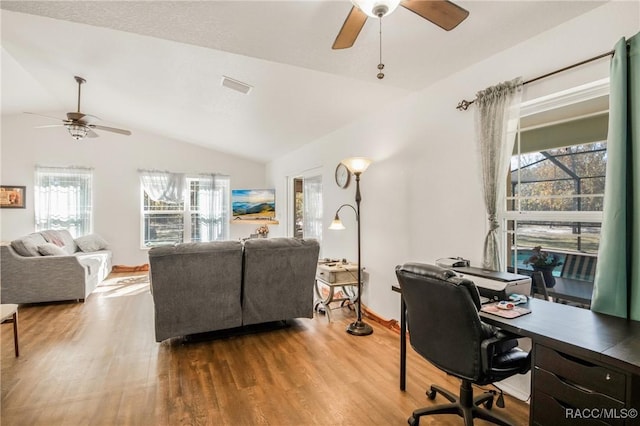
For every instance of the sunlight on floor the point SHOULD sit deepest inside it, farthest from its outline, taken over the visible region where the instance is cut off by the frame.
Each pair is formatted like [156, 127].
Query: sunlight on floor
[124, 286]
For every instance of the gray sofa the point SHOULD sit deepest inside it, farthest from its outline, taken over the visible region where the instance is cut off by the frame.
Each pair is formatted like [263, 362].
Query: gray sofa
[63, 272]
[200, 287]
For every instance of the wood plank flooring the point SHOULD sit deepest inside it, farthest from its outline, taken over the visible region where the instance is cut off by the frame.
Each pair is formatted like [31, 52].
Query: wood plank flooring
[97, 363]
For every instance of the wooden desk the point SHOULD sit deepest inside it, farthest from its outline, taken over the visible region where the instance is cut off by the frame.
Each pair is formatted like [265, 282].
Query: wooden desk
[591, 359]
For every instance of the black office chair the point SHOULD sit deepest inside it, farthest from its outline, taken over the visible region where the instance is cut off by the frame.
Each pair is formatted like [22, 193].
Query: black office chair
[445, 328]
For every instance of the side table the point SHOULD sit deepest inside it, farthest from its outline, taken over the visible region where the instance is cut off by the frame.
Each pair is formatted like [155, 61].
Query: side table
[336, 276]
[9, 313]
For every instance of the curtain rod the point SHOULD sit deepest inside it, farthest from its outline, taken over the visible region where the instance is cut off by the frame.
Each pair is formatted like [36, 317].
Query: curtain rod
[464, 104]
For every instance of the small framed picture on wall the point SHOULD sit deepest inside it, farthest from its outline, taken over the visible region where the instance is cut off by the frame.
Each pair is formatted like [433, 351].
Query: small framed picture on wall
[12, 197]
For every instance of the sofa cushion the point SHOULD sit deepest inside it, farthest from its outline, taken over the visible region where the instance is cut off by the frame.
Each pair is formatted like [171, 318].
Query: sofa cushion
[50, 249]
[53, 236]
[70, 245]
[28, 245]
[91, 242]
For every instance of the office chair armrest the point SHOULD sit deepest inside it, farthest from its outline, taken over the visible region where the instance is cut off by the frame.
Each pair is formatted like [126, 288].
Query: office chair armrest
[501, 341]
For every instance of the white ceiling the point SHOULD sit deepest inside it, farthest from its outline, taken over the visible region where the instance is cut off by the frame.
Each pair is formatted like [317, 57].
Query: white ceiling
[157, 66]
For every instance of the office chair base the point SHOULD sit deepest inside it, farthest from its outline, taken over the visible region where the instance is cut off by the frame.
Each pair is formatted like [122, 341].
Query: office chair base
[465, 406]
[359, 328]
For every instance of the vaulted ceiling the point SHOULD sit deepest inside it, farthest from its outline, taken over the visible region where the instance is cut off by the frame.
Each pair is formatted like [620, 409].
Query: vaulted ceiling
[157, 66]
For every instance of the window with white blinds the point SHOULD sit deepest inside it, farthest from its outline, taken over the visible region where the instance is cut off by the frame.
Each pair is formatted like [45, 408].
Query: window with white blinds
[63, 199]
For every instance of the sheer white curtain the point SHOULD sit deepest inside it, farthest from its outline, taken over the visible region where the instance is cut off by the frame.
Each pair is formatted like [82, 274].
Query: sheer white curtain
[213, 207]
[312, 221]
[496, 122]
[63, 199]
[163, 186]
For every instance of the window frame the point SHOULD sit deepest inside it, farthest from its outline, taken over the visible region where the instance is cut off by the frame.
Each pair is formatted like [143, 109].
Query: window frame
[87, 185]
[539, 105]
[186, 211]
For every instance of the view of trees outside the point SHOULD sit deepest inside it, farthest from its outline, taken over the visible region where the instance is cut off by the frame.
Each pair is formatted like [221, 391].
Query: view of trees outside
[569, 179]
[163, 222]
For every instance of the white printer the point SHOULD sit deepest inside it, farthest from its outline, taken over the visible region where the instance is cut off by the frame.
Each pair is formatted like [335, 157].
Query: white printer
[496, 285]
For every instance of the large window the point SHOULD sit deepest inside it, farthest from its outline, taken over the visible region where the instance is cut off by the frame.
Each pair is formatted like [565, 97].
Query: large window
[63, 199]
[200, 214]
[556, 185]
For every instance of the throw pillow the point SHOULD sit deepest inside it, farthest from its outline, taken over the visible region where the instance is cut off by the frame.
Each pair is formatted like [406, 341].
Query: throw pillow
[50, 249]
[28, 245]
[53, 236]
[69, 245]
[91, 242]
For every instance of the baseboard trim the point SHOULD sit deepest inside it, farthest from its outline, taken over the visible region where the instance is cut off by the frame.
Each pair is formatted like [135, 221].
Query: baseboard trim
[391, 324]
[125, 268]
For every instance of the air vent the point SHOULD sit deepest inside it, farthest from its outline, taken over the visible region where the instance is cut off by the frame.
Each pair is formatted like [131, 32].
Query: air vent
[236, 85]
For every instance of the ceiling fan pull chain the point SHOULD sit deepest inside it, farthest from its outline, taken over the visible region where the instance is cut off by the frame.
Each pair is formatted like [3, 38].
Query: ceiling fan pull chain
[380, 65]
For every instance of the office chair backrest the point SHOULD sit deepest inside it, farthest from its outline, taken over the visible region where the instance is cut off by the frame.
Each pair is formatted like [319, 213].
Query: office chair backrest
[443, 320]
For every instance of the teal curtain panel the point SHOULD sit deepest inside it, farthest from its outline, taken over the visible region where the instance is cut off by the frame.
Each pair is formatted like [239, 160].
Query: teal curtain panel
[617, 281]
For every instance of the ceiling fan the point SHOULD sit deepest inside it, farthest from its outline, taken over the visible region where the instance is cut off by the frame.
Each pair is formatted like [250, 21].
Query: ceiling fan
[443, 13]
[81, 125]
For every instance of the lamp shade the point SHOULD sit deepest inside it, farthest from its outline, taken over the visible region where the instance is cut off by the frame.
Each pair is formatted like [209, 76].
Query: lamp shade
[373, 7]
[336, 224]
[357, 164]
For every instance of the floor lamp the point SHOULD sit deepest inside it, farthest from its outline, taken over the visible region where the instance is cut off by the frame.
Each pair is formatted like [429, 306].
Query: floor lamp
[357, 166]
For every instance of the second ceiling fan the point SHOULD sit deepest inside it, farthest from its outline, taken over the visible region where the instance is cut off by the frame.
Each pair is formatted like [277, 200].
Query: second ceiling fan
[443, 13]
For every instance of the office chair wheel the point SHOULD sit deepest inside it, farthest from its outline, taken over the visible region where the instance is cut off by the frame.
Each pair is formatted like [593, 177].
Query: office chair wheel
[413, 421]
[431, 394]
[488, 404]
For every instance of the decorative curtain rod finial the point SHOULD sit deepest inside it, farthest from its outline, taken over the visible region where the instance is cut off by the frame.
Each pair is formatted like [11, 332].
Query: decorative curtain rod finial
[463, 105]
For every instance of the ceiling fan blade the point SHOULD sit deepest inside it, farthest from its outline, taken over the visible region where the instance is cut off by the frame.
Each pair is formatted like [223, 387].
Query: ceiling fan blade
[46, 116]
[110, 129]
[49, 125]
[350, 29]
[443, 13]
[91, 134]
[83, 118]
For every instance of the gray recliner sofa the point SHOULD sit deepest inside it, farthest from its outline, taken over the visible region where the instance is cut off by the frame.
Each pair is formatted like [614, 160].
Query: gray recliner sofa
[201, 287]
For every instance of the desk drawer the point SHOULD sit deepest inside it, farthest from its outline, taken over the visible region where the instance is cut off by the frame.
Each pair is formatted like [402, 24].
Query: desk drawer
[571, 395]
[547, 411]
[581, 373]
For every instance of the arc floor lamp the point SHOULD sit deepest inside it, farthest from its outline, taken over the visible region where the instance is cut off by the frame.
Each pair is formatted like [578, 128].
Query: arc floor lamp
[356, 165]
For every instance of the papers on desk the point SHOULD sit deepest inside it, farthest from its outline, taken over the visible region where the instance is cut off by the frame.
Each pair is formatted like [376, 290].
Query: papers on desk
[515, 312]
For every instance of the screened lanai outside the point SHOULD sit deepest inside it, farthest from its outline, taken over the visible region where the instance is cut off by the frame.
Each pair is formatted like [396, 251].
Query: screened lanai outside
[555, 201]
[556, 184]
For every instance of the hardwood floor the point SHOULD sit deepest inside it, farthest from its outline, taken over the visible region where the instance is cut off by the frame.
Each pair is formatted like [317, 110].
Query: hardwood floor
[97, 363]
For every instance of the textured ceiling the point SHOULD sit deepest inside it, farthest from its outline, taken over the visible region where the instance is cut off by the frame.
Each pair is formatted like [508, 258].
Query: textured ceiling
[157, 66]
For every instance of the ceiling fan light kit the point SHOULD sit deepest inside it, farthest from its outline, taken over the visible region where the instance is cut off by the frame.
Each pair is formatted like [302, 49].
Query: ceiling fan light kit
[376, 8]
[77, 131]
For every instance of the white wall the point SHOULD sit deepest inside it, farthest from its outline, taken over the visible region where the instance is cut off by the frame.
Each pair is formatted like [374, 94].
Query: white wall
[422, 197]
[115, 160]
